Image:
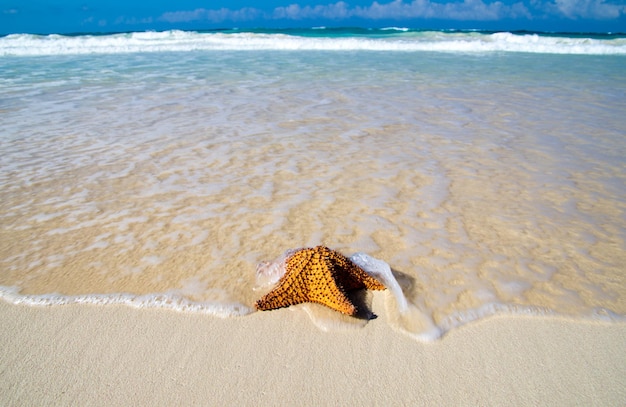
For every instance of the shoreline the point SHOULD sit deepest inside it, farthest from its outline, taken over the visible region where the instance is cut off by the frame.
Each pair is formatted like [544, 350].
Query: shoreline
[101, 355]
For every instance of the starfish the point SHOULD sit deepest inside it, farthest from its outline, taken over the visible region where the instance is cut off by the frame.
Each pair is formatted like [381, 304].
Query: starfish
[318, 275]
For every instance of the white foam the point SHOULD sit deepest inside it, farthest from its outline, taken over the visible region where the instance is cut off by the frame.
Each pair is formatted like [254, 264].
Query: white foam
[406, 317]
[29, 45]
[152, 260]
[193, 286]
[124, 224]
[269, 272]
[403, 29]
[171, 301]
[382, 272]
[199, 238]
[44, 217]
[99, 244]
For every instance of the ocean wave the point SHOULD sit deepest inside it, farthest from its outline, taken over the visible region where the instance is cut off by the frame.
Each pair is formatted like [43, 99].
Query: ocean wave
[381, 40]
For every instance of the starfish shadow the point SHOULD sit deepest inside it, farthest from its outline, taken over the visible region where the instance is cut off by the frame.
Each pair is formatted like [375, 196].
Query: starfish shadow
[362, 299]
[405, 281]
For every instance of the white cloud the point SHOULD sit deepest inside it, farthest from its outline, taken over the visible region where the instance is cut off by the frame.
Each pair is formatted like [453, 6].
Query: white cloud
[215, 16]
[594, 9]
[398, 9]
[336, 11]
[462, 10]
[133, 20]
[465, 10]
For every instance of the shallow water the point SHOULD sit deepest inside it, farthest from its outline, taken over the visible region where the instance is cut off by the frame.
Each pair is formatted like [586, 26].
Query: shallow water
[489, 182]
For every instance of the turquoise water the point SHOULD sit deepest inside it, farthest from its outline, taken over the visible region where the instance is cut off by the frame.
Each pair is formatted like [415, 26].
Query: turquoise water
[158, 169]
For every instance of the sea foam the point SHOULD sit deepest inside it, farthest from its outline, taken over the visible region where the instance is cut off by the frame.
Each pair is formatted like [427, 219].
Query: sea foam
[171, 301]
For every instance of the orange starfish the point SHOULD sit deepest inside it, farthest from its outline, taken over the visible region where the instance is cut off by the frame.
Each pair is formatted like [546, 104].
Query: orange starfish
[318, 275]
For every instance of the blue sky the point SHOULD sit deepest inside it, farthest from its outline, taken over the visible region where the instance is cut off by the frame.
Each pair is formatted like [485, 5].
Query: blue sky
[67, 16]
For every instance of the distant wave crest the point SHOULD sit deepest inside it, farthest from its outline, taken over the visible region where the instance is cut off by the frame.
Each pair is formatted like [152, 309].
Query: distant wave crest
[401, 40]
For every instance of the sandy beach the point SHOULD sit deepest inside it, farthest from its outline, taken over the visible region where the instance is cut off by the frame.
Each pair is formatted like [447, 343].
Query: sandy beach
[158, 169]
[117, 355]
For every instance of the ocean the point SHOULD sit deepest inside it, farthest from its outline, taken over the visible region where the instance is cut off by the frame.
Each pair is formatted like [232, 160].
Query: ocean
[158, 169]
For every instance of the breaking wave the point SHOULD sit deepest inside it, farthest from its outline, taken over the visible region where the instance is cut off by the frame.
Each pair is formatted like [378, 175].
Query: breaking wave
[400, 40]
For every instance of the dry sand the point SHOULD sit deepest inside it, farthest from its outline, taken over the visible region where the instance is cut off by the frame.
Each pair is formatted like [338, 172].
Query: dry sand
[116, 355]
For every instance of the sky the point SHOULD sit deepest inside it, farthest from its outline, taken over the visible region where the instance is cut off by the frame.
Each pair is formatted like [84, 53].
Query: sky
[73, 16]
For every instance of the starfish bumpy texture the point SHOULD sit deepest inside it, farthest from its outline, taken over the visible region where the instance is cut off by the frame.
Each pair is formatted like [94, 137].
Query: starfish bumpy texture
[318, 275]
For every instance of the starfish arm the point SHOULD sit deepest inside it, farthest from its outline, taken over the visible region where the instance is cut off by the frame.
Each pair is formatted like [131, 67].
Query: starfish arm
[368, 281]
[291, 289]
[351, 275]
[281, 296]
[331, 296]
